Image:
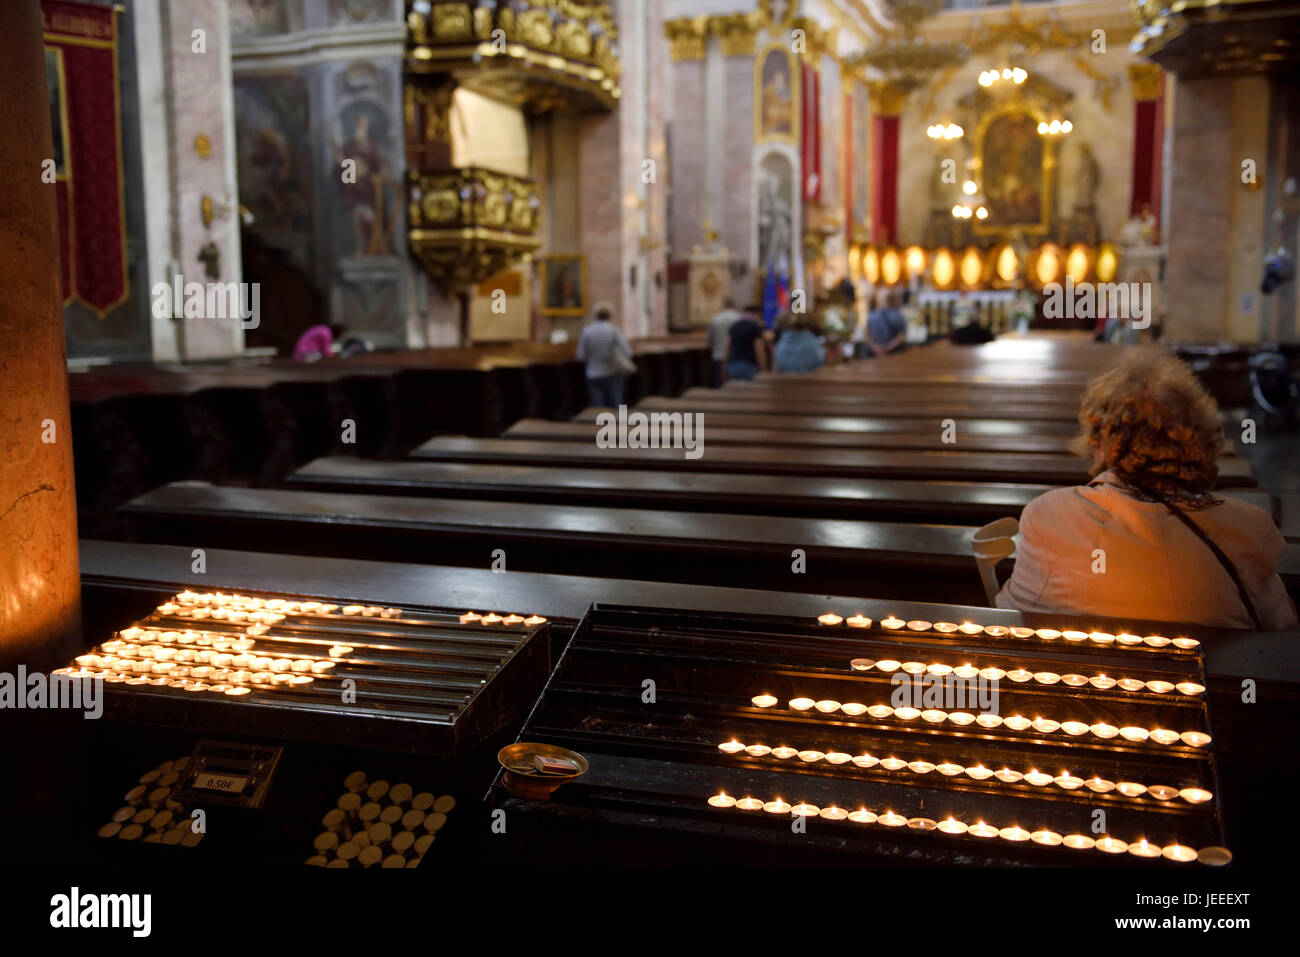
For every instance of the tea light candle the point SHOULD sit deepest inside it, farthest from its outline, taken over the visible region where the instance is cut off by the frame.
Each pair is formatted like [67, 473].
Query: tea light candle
[1197, 739]
[893, 764]
[1007, 776]
[979, 773]
[1046, 725]
[952, 826]
[1130, 684]
[1101, 637]
[920, 767]
[918, 625]
[1128, 639]
[1074, 635]
[1017, 722]
[749, 804]
[858, 621]
[1048, 634]
[906, 714]
[1164, 736]
[1046, 838]
[465, 619]
[1111, 845]
[988, 720]
[804, 809]
[1134, 733]
[783, 752]
[1068, 781]
[948, 769]
[1162, 792]
[1101, 682]
[862, 664]
[512, 620]
[892, 623]
[939, 669]
[992, 674]
[763, 700]
[534, 620]
[1160, 687]
[1074, 681]
[922, 823]
[865, 761]
[888, 664]
[980, 829]
[913, 667]
[757, 750]
[862, 816]
[731, 747]
[1074, 727]
[934, 716]
[810, 756]
[491, 619]
[1185, 643]
[966, 671]
[890, 819]
[722, 799]
[1178, 852]
[1100, 785]
[946, 627]
[829, 619]
[1131, 789]
[1195, 795]
[996, 631]
[1104, 730]
[1014, 833]
[834, 813]
[828, 706]
[1038, 778]
[837, 757]
[1214, 856]
[1156, 641]
[776, 806]
[801, 704]
[1190, 688]
[1020, 675]
[853, 708]
[961, 718]
[1078, 842]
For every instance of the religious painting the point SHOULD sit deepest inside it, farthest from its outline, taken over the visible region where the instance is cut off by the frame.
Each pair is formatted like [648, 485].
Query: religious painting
[775, 183]
[564, 285]
[366, 169]
[776, 92]
[1014, 168]
[259, 18]
[272, 130]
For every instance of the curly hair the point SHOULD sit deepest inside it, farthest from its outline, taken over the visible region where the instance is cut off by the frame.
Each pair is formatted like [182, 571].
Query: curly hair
[1151, 421]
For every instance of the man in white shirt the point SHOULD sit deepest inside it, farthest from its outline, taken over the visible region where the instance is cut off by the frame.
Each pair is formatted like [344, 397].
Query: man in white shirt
[596, 347]
[719, 336]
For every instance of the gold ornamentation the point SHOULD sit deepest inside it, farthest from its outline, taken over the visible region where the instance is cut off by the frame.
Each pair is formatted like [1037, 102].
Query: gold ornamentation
[887, 99]
[451, 21]
[203, 146]
[737, 33]
[1145, 78]
[688, 39]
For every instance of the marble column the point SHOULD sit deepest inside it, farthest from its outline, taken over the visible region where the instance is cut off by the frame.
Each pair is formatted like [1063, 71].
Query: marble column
[39, 586]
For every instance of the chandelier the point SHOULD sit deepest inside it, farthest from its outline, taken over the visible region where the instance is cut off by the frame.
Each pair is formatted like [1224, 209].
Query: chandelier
[906, 58]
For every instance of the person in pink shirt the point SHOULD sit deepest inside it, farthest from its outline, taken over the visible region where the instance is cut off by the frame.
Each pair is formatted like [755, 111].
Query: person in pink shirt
[317, 342]
[1147, 538]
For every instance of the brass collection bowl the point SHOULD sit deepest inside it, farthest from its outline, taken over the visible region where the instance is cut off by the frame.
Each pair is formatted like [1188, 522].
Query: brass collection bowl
[524, 781]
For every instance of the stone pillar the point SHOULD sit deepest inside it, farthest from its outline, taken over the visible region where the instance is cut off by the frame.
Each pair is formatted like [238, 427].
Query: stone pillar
[39, 585]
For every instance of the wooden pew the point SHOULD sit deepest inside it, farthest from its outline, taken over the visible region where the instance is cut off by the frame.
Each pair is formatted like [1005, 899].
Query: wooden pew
[827, 463]
[968, 403]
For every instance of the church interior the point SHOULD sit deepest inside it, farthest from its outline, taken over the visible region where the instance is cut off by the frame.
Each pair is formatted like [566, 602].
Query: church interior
[515, 434]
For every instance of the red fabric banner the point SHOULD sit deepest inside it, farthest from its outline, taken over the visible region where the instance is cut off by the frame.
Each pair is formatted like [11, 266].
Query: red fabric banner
[85, 120]
[810, 134]
[884, 179]
[1148, 154]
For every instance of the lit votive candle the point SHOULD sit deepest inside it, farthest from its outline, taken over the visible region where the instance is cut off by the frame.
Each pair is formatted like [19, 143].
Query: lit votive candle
[763, 700]
[1128, 639]
[1038, 778]
[810, 756]
[979, 773]
[834, 813]
[1185, 643]
[865, 761]
[980, 829]
[1046, 725]
[888, 664]
[320, 667]
[890, 819]
[1131, 789]
[1101, 637]
[802, 704]
[1103, 730]
[879, 710]
[922, 823]
[838, 757]
[1164, 736]
[830, 619]
[952, 826]
[862, 816]
[804, 809]
[1156, 641]
[1102, 682]
[512, 620]
[1111, 845]
[939, 669]
[1190, 688]
[731, 747]
[1178, 852]
[934, 716]
[1134, 733]
[892, 623]
[1162, 792]
[749, 804]
[918, 625]
[1020, 675]
[1078, 842]
[914, 667]
[988, 720]
[1160, 687]
[1007, 776]
[858, 621]
[722, 799]
[1074, 635]
[1068, 781]
[946, 627]
[465, 619]
[534, 620]
[1017, 722]
[1074, 727]
[1048, 634]
[757, 750]
[1130, 684]
[1074, 681]
[491, 619]
[961, 718]
[776, 806]
[992, 674]
[784, 752]
[893, 764]
[1046, 838]
[907, 714]
[920, 767]
[1014, 833]
[828, 706]
[862, 664]
[1196, 739]
[1100, 785]
[966, 671]
[853, 708]
[1195, 795]
[970, 628]
[996, 631]
[948, 769]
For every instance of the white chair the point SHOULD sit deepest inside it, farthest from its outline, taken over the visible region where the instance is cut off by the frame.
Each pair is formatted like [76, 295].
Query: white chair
[991, 544]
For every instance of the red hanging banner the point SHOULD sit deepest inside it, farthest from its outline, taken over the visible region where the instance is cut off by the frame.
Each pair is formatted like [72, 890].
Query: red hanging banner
[86, 128]
[810, 129]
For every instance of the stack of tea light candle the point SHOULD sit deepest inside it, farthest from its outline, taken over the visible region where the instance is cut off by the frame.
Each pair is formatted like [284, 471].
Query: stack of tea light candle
[151, 814]
[375, 825]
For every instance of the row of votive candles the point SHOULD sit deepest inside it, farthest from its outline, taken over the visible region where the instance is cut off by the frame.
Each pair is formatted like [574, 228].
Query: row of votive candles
[1023, 675]
[1065, 780]
[1015, 631]
[1015, 722]
[1015, 833]
[245, 608]
[494, 619]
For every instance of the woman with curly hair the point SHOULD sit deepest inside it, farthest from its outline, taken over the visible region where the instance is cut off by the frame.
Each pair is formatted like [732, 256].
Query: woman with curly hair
[1146, 538]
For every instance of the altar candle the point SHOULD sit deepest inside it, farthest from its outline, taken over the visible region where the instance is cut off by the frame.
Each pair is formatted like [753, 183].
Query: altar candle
[763, 700]
[749, 804]
[988, 720]
[952, 826]
[862, 816]
[862, 664]
[853, 708]
[934, 715]
[776, 806]
[918, 625]
[1178, 852]
[804, 809]
[1111, 845]
[946, 627]
[1104, 730]
[837, 757]
[948, 769]
[834, 813]
[1046, 838]
[866, 761]
[757, 750]
[828, 706]
[888, 664]
[1162, 792]
[802, 704]
[784, 752]
[1131, 684]
[979, 773]
[1197, 739]
[1074, 727]
[810, 756]
[1190, 688]
[1102, 682]
[980, 829]
[995, 631]
[1038, 778]
[1160, 687]
[892, 623]
[830, 619]
[1134, 733]
[731, 747]
[1195, 795]
[1100, 785]
[858, 621]
[722, 799]
[890, 819]
[1014, 833]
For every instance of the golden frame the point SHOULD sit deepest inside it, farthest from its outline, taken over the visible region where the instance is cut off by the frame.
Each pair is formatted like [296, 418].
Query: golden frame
[796, 103]
[1044, 224]
[543, 283]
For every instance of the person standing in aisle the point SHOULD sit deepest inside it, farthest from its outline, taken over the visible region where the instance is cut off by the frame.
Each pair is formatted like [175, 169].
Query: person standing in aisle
[747, 350]
[605, 351]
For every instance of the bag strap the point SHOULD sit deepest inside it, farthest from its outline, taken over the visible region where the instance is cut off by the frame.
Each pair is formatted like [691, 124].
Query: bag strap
[1226, 562]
